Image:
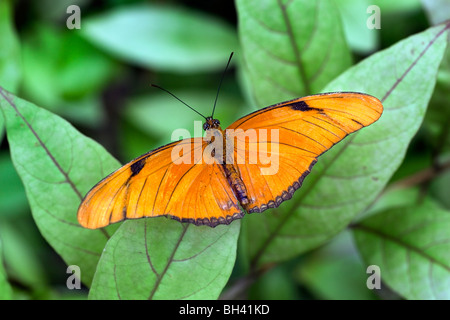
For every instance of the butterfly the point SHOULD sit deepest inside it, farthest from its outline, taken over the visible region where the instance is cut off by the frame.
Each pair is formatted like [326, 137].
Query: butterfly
[258, 162]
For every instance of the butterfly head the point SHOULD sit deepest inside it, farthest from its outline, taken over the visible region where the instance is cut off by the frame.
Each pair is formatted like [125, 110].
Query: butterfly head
[211, 124]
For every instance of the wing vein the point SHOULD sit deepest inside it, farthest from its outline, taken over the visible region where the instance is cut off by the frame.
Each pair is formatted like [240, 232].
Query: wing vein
[178, 183]
[157, 191]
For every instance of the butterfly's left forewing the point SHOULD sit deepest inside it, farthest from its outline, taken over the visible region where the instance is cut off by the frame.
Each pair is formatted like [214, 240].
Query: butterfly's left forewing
[290, 138]
[164, 182]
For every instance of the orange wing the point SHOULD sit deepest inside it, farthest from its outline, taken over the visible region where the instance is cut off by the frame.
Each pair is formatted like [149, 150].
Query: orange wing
[153, 185]
[304, 129]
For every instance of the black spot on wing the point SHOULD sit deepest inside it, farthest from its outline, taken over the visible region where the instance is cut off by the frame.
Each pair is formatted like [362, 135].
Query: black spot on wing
[302, 106]
[137, 166]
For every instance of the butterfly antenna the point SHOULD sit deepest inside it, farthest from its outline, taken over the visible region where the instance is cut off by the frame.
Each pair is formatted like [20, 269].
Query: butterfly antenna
[156, 86]
[220, 84]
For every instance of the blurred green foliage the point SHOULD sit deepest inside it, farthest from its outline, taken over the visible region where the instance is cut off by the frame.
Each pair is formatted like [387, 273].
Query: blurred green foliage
[98, 79]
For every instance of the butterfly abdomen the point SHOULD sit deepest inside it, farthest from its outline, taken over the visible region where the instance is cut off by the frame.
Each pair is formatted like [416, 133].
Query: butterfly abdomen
[236, 183]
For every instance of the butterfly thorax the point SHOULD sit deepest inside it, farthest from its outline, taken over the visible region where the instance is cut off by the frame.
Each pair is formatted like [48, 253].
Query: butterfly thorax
[213, 131]
[211, 124]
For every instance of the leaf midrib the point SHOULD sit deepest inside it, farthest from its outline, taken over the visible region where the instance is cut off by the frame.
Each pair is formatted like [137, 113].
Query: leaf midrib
[407, 246]
[297, 56]
[42, 144]
[49, 154]
[160, 276]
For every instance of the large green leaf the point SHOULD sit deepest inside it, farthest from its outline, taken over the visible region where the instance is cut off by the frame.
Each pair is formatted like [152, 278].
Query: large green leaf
[57, 165]
[347, 179]
[162, 37]
[163, 259]
[411, 245]
[290, 48]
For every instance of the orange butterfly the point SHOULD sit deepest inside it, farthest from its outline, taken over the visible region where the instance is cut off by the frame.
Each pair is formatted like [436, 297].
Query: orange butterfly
[191, 182]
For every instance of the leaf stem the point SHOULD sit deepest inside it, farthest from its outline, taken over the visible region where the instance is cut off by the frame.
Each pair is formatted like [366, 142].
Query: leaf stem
[420, 177]
[240, 286]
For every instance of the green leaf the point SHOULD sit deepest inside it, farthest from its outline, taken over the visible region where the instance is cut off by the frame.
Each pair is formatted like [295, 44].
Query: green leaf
[290, 48]
[5, 288]
[335, 271]
[10, 62]
[57, 165]
[411, 245]
[162, 37]
[162, 259]
[391, 198]
[348, 178]
[60, 66]
[438, 11]
[354, 20]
